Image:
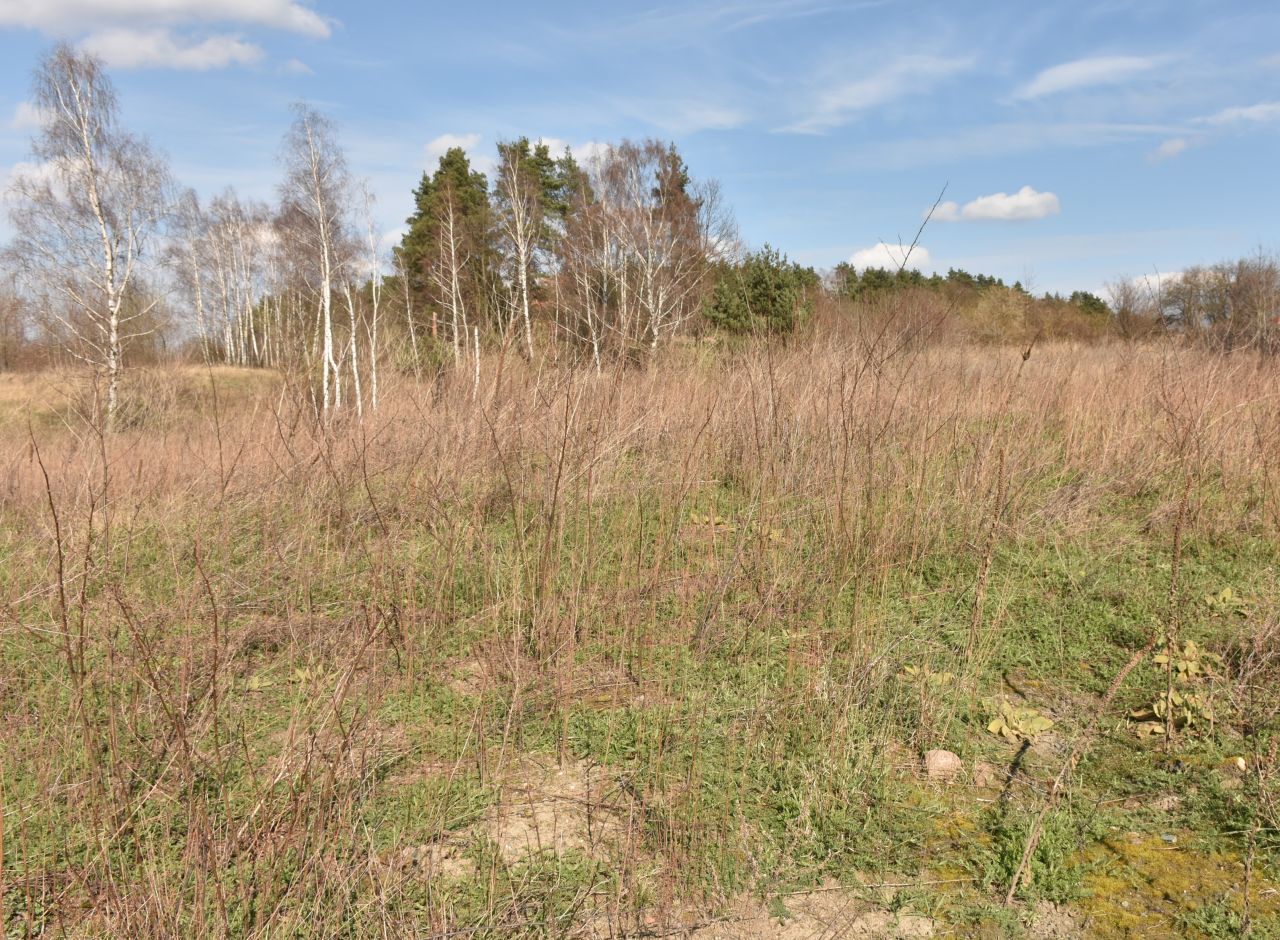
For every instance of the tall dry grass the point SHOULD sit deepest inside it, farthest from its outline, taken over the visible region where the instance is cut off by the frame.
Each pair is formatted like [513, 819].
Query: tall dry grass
[224, 635]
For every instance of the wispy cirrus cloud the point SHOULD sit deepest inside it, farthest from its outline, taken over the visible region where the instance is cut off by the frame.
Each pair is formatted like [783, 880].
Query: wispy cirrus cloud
[1027, 204]
[677, 115]
[907, 75]
[694, 21]
[995, 140]
[690, 116]
[1262, 113]
[1204, 129]
[1089, 73]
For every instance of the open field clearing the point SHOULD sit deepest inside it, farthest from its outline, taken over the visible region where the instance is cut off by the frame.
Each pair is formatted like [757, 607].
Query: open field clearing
[716, 470]
[655, 652]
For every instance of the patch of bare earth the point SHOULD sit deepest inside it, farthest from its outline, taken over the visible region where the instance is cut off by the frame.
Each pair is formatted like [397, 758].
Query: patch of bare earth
[541, 808]
[834, 914]
[1056, 922]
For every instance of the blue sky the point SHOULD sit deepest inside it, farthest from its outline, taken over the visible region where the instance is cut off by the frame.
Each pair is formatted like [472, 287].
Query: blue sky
[1079, 141]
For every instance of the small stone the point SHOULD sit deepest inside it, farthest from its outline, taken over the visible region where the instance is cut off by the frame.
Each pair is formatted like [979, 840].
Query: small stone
[942, 765]
[1169, 839]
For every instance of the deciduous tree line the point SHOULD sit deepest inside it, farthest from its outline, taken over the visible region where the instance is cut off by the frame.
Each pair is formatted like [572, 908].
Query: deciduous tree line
[1230, 305]
[606, 258]
[610, 257]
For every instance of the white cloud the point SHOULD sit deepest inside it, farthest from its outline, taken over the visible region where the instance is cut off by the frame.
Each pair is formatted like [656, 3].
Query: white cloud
[884, 255]
[441, 145]
[1087, 73]
[1170, 148]
[1025, 205]
[675, 22]
[997, 140]
[591, 152]
[556, 145]
[26, 117]
[587, 153]
[908, 75]
[390, 239]
[31, 174]
[61, 16]
[1260, 113]
[160, 48]
[689, 117]
[296, 67]
[1156, 282]
[140, 33]
[680, 116]
[1214, 125]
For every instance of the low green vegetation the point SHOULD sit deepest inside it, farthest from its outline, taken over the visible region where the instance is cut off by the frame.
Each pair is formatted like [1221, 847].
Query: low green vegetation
[764, 292]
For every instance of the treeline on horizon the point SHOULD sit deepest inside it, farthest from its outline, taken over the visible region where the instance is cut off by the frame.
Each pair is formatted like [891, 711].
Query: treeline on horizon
[605, 260]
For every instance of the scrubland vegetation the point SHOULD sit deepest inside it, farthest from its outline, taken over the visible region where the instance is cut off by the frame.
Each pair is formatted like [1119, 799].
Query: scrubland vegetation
[655, 650]
[591, 577]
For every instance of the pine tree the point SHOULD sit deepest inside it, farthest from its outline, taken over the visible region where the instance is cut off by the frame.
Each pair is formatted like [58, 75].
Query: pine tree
[469, 189]
[764, 292]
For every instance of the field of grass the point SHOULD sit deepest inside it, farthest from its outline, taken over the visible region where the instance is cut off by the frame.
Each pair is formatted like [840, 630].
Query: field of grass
[154, 397]
[653, 653]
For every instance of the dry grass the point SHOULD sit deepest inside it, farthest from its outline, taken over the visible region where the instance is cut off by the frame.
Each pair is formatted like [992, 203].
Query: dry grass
[67, 398]
[251, 667]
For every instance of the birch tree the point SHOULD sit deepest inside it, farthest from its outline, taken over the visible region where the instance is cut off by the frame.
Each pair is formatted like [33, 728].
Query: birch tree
[638, 250]
[373, 269]
[220, 259]
[184, 257]
[315, 205]
[449, 271]
[533, 199]
[520, 213]
[84, 218]
[13, 327]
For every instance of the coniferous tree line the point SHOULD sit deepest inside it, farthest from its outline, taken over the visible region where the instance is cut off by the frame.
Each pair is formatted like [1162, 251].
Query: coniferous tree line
[611, 256]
